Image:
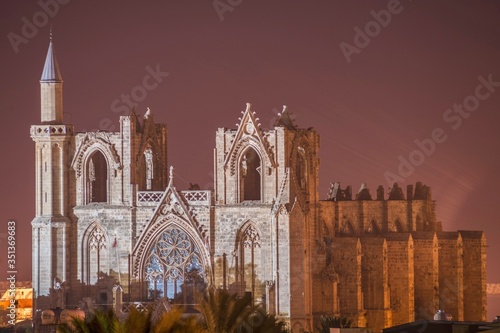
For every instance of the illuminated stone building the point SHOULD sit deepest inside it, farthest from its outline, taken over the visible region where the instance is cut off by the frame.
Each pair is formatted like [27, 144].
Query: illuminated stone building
[108, 213]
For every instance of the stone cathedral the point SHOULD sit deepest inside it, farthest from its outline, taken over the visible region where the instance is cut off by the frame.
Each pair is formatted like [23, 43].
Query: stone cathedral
[108, 214]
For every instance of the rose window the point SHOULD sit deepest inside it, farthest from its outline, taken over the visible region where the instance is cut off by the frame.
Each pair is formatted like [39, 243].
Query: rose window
[173, 257]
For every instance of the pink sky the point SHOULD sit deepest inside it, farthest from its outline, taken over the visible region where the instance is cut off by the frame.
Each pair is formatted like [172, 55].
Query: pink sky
[369, 107]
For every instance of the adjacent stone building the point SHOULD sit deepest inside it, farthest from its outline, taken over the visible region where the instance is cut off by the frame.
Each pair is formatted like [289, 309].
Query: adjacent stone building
[108, 213]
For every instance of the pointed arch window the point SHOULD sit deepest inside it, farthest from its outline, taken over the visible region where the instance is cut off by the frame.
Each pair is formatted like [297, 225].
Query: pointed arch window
[250, 180]
[301, 168]
[421, 224]
[373, 228]
[173, 266]
[398, 226]
[249, 261]
[347, 228]
[96, 255]
[97, 178]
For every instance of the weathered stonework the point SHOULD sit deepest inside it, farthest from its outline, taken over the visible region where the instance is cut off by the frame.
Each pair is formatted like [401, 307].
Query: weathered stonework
[108, 212]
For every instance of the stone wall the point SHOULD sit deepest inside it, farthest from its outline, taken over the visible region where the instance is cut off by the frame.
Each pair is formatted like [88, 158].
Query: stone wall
[375, 282]
[400, 254]
[451, 273]
[346, 259]
[426, 274]
[474, 263]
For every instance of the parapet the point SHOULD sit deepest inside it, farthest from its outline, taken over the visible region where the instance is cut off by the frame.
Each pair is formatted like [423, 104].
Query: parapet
[419, 192]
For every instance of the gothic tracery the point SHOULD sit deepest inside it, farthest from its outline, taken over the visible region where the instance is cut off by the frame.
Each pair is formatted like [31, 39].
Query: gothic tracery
[96, 254]
[172, 257]
[97, 239]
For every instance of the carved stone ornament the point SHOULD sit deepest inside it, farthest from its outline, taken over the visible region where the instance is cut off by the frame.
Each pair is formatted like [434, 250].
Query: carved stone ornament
[249, 128]
[93, 141]
[248, 133]
[329, 273]
[171, 212]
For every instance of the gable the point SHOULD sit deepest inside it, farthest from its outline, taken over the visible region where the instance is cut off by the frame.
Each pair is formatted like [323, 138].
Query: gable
[171, 210]
[248, 134]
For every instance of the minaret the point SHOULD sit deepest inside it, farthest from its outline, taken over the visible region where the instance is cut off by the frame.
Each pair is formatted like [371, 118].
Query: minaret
[50, 227]
[51, 89]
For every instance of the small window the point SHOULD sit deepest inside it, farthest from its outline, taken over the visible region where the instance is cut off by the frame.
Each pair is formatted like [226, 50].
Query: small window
[373, 228]
[347, 228]
[97, 178]
[398, 227]
[250, 181]
[301, 169]
[148, 156]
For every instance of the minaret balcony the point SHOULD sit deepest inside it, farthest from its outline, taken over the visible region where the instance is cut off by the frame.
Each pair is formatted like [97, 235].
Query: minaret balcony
[51, 130]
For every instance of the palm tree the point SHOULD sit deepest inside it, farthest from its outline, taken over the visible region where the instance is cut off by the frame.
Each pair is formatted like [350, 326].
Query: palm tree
[136, 322]
[222, 312]
[173, 321]
[225, 313]
[262, 322]
[98, 322]
[324, 323]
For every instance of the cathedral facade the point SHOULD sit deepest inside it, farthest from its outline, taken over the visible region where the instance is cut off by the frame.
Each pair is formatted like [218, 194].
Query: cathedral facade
[108, 213]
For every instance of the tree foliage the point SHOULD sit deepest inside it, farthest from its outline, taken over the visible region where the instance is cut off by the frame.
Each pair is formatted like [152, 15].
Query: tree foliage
[225, 313]
[324, 323]
[97, 322]
[219, 312]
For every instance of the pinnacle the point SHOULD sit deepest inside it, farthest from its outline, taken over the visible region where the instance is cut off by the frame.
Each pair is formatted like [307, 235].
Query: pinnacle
[51, 71]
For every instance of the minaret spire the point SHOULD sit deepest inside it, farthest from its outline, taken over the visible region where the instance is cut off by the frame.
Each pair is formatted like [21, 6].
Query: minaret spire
[51, 71]
[51, 89]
